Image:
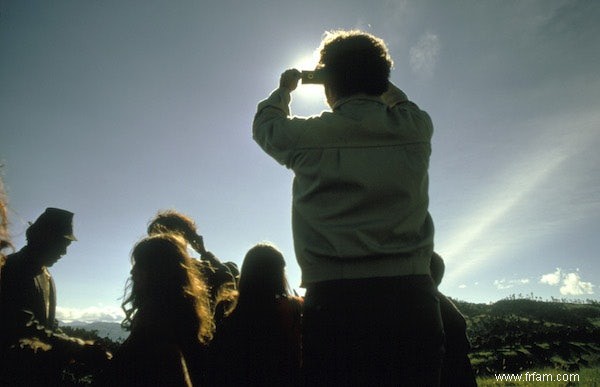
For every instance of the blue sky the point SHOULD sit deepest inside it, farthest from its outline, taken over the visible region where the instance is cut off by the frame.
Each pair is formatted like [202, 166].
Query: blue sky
[115, 110]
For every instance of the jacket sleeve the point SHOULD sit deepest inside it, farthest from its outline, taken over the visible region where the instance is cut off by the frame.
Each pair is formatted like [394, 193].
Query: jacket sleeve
[393, 96]
[273, 129]
[397, 100]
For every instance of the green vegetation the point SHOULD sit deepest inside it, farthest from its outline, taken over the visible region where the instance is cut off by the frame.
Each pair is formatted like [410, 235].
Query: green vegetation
[78, 374]
[517, 335]
[92, 335]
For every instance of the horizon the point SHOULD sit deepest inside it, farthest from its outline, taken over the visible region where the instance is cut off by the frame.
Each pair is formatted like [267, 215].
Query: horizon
[91, 316]
[116, 110]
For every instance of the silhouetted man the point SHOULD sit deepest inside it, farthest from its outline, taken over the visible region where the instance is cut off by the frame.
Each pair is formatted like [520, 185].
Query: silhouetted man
[363, 235]
[28, 327]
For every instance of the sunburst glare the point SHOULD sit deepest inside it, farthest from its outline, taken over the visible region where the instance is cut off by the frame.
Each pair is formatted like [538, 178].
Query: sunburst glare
[308, 98]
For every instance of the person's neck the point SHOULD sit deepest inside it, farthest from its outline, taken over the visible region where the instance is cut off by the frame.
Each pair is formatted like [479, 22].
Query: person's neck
[31, 256]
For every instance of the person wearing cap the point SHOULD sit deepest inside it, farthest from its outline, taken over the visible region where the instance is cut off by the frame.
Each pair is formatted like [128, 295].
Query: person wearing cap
[28, 302]
[27, 285]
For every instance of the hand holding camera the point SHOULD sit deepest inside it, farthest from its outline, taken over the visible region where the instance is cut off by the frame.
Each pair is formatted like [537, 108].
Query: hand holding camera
[289, 79]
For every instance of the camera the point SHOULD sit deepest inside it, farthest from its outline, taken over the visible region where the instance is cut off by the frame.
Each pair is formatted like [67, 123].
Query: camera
[316, 77]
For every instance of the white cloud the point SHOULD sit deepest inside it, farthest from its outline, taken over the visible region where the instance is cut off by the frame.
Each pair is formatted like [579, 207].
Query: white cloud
[90, 314]
[463, 286]
[501, 284]
[507, 284]
[423, 56]
[551, 278]
[573, 286]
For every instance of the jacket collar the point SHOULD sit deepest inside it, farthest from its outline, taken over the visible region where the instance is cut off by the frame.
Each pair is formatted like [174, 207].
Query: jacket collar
[356, 97]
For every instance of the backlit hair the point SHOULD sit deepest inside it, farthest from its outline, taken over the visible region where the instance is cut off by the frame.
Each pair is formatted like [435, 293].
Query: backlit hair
[4, 235]
[165, 281]
[355, 62]
[171, 221]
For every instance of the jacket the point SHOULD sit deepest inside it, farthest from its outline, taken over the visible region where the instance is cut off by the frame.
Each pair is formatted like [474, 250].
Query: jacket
[360, 191]
[27, 293]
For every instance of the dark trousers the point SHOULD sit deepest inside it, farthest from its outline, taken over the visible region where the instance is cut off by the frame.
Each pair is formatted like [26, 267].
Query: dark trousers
[375, 332]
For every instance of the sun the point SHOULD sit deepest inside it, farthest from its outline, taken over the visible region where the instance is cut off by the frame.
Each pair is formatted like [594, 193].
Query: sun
[307, 61]
[310, 96]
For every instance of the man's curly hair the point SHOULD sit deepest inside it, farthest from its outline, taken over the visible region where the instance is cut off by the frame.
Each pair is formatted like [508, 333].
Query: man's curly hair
[355, 62]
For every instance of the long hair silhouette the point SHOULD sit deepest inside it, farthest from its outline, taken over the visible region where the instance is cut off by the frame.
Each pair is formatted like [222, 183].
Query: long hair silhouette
[165, 287]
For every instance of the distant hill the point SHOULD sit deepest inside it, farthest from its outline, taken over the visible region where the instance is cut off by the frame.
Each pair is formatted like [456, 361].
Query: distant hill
[513, 335]
[110, 330]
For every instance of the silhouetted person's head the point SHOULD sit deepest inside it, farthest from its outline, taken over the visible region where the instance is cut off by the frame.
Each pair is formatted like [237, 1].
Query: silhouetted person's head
[172, 221]
[437, 268]
[175, 222]
[263, 273]
[50, 235]
[165, 284]
[354, 62]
